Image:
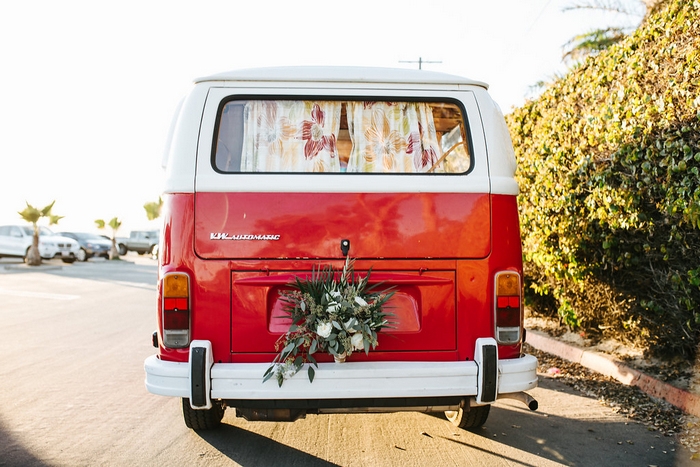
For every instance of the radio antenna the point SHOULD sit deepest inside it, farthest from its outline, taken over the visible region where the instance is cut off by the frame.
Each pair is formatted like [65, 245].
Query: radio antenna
[420, 62]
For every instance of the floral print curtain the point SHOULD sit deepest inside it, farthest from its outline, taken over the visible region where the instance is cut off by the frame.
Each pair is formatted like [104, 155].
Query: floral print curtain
[302, 136]
[392, 137]
[291, 136]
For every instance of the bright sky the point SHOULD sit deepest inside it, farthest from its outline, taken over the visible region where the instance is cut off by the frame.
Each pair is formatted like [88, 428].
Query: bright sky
[88, 88]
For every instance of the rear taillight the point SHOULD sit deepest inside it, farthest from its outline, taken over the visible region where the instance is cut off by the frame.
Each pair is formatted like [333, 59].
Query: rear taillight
[176, 310]
[508, 307]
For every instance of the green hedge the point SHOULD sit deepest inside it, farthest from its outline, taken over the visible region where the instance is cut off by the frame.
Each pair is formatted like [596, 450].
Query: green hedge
[609, 170]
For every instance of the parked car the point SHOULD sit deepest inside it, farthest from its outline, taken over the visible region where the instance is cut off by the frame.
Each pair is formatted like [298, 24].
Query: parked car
[140, 241]
[91, 245]
[15, 241]
[273, 175]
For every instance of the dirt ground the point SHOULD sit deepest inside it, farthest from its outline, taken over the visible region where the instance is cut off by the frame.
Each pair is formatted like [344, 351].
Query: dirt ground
[657, 415]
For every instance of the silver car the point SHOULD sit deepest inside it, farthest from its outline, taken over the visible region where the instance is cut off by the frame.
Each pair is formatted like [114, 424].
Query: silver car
[15, 241]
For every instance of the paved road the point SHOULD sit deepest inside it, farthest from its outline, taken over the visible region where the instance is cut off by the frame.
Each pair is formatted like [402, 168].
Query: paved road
[73, 341]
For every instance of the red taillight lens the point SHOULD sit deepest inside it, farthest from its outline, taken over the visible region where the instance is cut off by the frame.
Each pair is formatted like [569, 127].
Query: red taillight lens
[508, 302]
[175, 303]
[508, 309]
[508, 317]
[176, 319]
[176, 310]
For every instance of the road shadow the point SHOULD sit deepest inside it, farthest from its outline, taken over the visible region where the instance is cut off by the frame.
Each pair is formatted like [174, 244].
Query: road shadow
[14, 454]
[253, 450]
[569, 429]
[578, 440]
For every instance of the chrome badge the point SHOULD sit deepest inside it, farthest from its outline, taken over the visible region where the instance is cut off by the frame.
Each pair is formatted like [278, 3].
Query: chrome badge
[225, 236]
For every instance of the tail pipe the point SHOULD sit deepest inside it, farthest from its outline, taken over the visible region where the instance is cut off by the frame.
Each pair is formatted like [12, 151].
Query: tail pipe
[523, 397]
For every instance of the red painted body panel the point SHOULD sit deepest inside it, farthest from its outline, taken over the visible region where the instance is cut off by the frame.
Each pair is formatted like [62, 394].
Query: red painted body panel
[311, 225]
[440, 249]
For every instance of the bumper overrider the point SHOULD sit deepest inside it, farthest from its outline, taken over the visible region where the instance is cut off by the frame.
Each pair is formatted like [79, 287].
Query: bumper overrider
[347, 385]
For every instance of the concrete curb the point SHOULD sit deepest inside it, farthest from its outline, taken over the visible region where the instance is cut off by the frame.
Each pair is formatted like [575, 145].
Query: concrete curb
[21, 267]
[610, 366]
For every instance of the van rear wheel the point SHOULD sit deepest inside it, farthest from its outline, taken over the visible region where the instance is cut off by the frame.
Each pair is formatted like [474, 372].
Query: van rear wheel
[206, 419]
[472, 418]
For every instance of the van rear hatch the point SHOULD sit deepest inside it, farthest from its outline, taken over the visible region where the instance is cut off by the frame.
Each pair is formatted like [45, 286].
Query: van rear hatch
[425, 232]
[268, 225]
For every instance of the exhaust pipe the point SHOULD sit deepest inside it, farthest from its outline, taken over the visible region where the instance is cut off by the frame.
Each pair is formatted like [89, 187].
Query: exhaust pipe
[523, 397]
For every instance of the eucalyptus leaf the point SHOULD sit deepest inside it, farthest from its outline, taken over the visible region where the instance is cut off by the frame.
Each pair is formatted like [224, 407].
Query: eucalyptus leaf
[312, 360]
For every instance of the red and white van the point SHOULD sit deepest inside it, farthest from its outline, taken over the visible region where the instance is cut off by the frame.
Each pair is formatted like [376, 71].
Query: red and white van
[274, 172]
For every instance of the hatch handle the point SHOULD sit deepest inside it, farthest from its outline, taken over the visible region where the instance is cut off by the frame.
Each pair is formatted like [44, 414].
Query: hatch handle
[345, 246]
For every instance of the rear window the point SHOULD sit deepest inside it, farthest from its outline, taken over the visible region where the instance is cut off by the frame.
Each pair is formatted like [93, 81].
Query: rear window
[341, 136]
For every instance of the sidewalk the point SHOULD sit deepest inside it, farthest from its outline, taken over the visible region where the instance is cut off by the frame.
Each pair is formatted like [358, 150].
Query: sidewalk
[611, 366]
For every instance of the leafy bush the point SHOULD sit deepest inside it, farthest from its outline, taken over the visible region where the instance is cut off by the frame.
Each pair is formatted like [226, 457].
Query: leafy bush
[609, 169]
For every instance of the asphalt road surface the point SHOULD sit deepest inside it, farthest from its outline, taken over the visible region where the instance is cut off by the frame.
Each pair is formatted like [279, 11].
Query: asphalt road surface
[72, 345]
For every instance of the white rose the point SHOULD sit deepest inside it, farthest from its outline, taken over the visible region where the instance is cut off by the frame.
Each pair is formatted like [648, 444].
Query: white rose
[360, 301]
[358, 342]
[324, 329]
[289, 370]
[333, 307]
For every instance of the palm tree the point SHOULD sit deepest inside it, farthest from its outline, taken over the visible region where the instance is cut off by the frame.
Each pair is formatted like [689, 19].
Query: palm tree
[153, 209]
[592, 42]
[114, 223]
[32, 215]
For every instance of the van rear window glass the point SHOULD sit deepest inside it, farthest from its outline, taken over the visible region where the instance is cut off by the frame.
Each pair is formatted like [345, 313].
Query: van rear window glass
[341, 136]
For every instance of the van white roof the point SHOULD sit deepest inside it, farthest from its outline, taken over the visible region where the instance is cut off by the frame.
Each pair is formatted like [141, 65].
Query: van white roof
[344, 74]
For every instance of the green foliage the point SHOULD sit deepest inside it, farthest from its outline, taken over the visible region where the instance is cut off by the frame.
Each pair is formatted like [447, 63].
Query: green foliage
[153, 209]
[114, 224]
[32, 214]
[592, 42]
[596, 40]
[609, 161]
[331, 312]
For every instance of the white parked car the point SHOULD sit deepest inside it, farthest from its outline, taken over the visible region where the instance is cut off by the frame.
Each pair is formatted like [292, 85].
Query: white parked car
[15, 241]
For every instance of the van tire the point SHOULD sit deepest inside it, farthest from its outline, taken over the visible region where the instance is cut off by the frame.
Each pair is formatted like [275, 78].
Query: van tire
[206, 419]
[474, 418]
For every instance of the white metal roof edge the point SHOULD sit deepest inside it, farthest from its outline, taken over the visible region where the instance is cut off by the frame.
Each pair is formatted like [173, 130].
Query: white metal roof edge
[346, 74]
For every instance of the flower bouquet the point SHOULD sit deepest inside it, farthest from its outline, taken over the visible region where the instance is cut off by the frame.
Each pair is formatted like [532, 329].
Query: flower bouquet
[330, 312]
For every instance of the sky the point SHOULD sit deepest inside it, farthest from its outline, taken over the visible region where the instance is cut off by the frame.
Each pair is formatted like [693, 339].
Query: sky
[88, 88]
